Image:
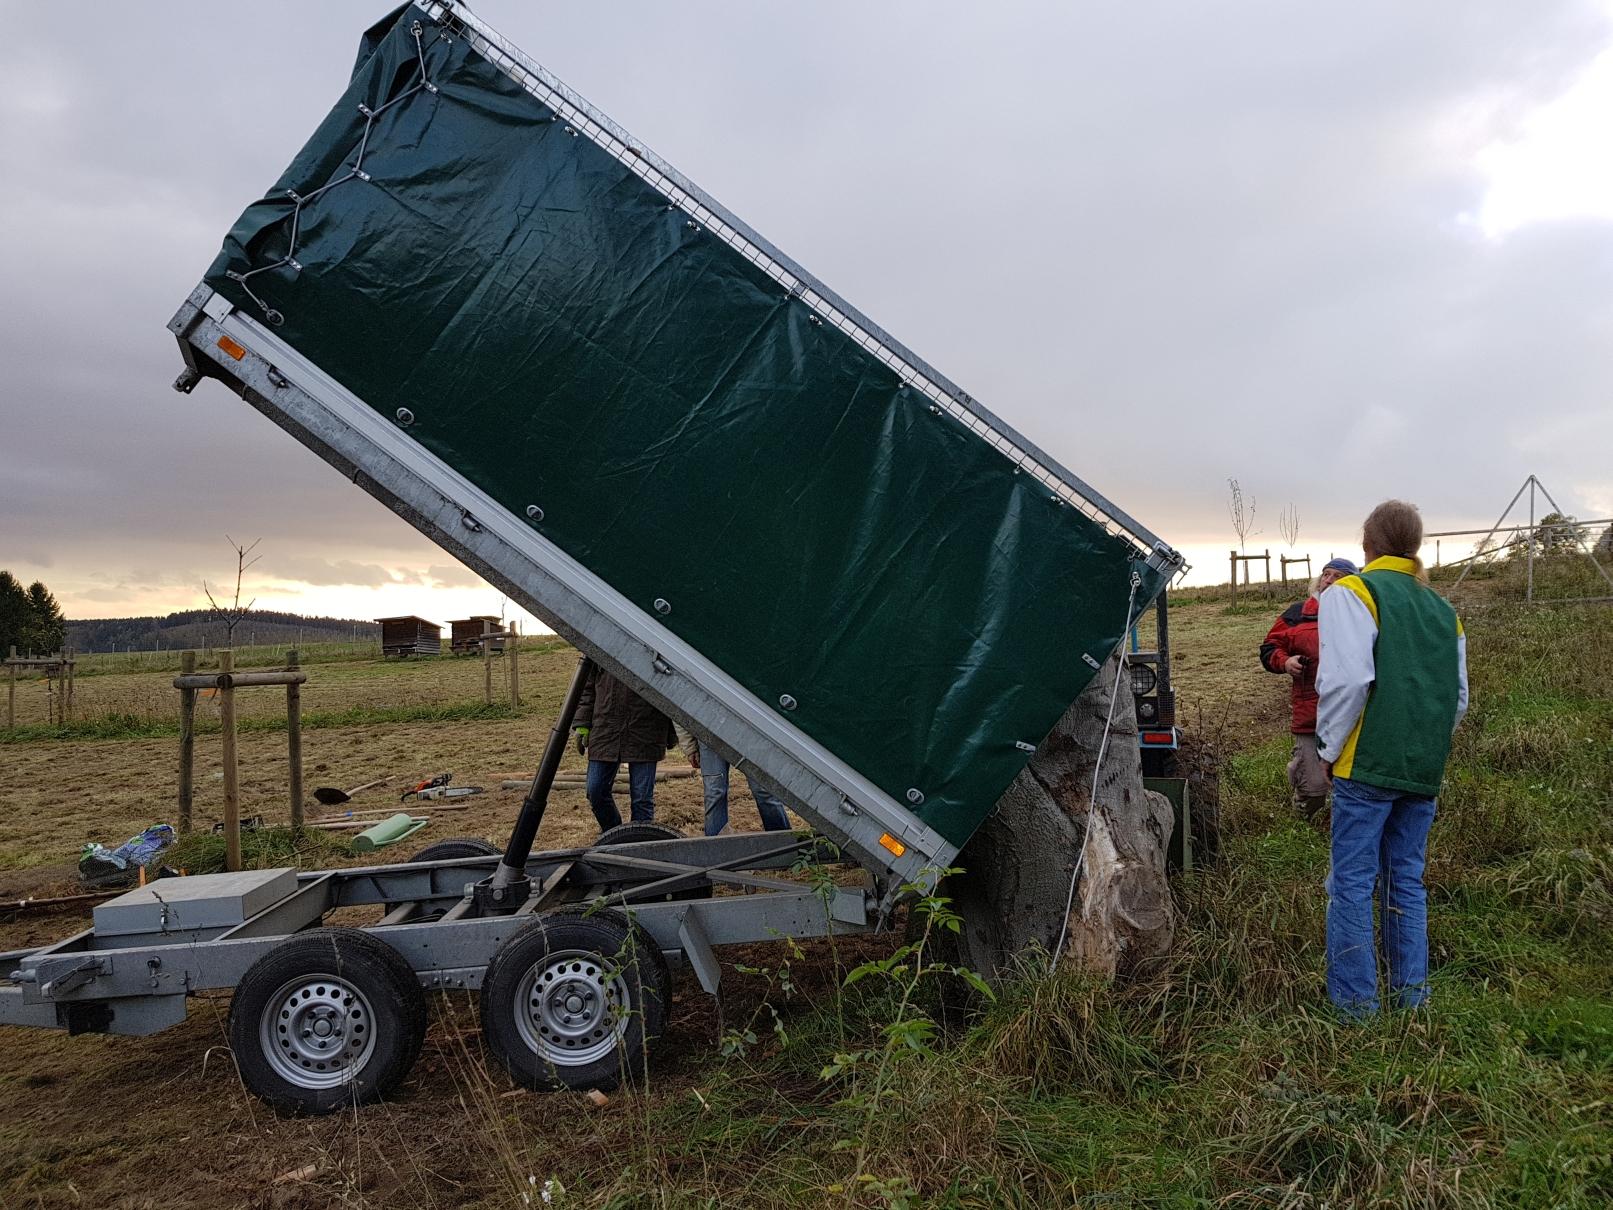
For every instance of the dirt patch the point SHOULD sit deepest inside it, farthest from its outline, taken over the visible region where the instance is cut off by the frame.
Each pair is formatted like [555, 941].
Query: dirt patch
[163, 1121]
[1223, 694]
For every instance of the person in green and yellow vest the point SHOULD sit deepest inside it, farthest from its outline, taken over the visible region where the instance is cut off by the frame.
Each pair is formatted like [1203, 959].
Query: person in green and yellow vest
[1391, 687]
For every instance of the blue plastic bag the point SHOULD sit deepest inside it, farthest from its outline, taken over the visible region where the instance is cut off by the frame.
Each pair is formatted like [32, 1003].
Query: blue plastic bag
[100, 865]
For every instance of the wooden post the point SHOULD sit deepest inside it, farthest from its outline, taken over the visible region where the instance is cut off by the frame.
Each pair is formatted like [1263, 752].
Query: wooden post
[68, 702]
[1234, 576]
[11, 693]
[512, 652]
[487, 670]
[232, 789]
[187, 742]
[294, 741]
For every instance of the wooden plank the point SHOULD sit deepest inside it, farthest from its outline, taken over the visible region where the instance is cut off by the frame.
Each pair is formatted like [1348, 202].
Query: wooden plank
[514, 655]
[232, 787]
[487, 671]
[187, 743]
[240, 680]
[294, 741]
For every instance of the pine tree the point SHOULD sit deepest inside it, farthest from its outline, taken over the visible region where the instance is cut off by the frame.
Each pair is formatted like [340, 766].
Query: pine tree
[46, 629]
[13, 613]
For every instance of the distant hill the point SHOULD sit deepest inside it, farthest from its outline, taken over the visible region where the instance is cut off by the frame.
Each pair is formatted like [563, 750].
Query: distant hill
[197, 628]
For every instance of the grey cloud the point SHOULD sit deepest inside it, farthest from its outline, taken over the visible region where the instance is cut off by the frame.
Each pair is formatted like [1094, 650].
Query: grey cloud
[304, 570]
[117, 593]
[1172, 243]
[452, 576]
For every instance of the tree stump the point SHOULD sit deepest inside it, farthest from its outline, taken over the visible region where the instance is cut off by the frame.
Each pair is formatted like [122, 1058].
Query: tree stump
[1017, 868]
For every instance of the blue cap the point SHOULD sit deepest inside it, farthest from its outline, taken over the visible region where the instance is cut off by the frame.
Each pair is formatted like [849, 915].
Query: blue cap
[1344, 565]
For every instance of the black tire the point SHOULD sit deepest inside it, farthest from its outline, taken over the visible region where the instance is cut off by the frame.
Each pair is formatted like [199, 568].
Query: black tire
[457, 847]
[574, 999]
[346, 980]
[638, 833]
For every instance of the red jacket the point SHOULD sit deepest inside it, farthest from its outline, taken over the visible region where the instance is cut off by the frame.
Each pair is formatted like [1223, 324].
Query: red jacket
[1295, 634]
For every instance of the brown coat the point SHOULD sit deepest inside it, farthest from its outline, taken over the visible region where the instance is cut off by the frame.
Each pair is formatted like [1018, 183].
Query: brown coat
[623, 726]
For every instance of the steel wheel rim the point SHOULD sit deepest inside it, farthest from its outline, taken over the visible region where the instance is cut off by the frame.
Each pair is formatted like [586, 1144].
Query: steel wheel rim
[571, 1008]
[317, 1031]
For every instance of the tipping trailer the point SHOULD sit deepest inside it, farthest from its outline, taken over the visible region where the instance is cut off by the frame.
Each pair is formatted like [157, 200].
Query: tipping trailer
[493, 309]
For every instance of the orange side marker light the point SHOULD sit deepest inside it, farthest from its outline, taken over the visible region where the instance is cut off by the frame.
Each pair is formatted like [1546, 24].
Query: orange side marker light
[891, 845]
[232, 348]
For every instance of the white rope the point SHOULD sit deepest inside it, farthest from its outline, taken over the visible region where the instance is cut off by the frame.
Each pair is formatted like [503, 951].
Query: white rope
[1097, 770]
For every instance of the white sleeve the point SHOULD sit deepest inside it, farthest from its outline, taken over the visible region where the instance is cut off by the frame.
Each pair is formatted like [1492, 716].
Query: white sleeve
[686, 742]
[1461, 679]
[1346, 633]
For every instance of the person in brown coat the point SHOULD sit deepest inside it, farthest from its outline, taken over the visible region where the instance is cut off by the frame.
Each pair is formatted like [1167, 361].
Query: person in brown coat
[614, 725]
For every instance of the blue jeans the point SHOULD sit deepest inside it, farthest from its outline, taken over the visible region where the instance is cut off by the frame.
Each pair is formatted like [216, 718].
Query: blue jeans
[1380, 837]
[640, 791]
[714, 781]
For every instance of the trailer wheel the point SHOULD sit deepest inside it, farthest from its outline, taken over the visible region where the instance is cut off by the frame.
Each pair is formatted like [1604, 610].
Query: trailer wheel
[458, 847]
[638, 833]
[327, 1019]
[573, 999]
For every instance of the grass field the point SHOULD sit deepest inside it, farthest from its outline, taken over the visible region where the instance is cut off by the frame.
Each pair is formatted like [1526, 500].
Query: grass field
[1216, 1078]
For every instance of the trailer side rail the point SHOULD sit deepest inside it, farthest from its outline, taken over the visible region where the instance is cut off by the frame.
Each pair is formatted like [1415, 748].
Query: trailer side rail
[463, 519]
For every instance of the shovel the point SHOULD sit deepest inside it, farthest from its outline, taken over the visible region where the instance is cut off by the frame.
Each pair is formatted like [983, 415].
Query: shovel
[330, 796]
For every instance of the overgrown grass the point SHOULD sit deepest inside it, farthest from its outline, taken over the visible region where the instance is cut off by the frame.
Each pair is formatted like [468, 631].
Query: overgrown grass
[119, 725]
[1557, 577]
[1218, 1077]
[261, 849]
[114, 663]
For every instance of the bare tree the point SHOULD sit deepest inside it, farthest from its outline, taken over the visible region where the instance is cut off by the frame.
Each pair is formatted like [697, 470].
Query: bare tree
[1288, 524]
[232, 616]
[1243, 517]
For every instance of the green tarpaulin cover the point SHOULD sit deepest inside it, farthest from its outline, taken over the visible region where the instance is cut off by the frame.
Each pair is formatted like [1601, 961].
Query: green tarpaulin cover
[691, 431]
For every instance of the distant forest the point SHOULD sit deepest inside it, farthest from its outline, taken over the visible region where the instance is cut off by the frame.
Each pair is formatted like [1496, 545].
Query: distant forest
[199, 629]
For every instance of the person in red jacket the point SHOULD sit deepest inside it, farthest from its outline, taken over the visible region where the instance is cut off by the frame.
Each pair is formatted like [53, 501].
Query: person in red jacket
[1291, 648]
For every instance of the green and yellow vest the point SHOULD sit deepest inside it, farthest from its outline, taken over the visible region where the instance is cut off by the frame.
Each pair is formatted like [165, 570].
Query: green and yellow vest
[1403, 736]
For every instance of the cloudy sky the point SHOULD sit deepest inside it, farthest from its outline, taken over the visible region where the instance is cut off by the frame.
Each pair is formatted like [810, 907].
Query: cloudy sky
[1337, 252]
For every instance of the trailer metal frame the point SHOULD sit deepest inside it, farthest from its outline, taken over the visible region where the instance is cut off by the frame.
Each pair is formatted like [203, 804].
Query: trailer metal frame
[579, 606]
[138, 985]
[448, 920]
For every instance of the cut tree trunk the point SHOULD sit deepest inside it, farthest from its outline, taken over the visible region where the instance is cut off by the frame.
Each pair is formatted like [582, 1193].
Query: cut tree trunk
[1017, 868]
